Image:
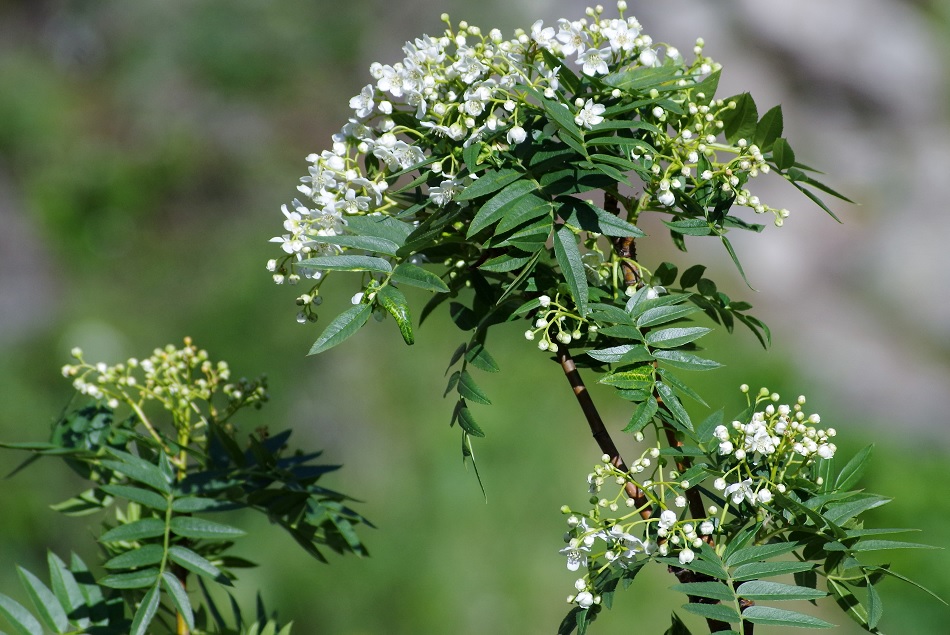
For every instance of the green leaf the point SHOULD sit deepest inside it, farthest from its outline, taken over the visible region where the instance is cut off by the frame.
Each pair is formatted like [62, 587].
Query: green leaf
[839, 513]
[713, 611]
[712, 568]
[640, 377]
[523, 210]
[692, 275]
[342, 328]
[714, 590]
[769, 129]
[875, 607]
[851, 473]
[676, 383]
[146, 612]
[65, 587]
[477, 355]
[673, 404]
[138, 469]
[740, 122]
[572, 268]
[131, 580]
[380, 226]
[642, 416]
[664, 314]
[392, 299]
[192, 527]
[781, 617]
[848, 603]
[467, 421]
[504, 262]
[497, 206]
[642, 78]
[690, 227]
[489, 183]
[470, 390]
[46, 603]
[136, 558]
[20, 618]
[191, 504]
[686, 361]
[782, 155]
[760, 552]
[415, 276]
[762, 590]
[136, 530]
[179, 598]
[674, 337]
[755, 570]
[883, 545]
[347, 263]
[197, 564]
[367, 243]
[623, 354]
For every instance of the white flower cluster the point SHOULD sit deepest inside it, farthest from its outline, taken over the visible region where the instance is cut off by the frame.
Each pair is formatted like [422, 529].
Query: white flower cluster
[467, 87]
[776, 443]
[557, 321]
[178, 378]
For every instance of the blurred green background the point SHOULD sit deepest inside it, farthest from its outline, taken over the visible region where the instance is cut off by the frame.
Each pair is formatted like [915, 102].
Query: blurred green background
[145, 149]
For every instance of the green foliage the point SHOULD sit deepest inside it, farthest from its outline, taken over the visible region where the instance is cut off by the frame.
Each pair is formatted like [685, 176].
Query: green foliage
[163, 471]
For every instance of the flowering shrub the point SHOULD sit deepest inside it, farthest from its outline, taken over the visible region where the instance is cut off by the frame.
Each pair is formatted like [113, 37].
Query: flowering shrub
[509, 178]
[157, 441]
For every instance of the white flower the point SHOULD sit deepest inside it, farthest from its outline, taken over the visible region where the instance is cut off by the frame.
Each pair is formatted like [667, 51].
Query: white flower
[680, 501]
[590, 114]
[544, 36]
[740, 491]
[363, 103]
[706, 527]
[584, 599]
[686, 556]
[594, 61]
[667, 518]
[572, 37]
[726, 447]
[647, 57]
[666, 197]
[576, 556]
[516, 135]
[764, 495]
[620, 35]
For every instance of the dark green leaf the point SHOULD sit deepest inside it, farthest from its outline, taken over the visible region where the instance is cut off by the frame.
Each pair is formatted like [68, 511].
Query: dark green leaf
[781, 617]
[367, 243]
[504, 262]
[522, 211]
[663, 314]
[714, 590]
[497, 206]
[782, 155]
[190, 504]
[415, 276]
[755, 570]
[145, 612]
[20, 618]
[131, 580]
[137, 558]
[674, 337]
[467, 421]
[760, 552]
[690, 227]
[762, 590]
[136, 530]
[769, 129]
[392, 299]
[676, 383]
[342, 328]
[883, 545]
[713, 611]
[477, 355]
[192, 527]
[686, 361]
[490, 182]
[347, 263]
[64, 585]
[839, 513]
[642, 415]
[196, 564]
[875, 607]
[179, 598]
[572, 268]
[46, 603]
[735, 259]
[470, 390]
[138, 469]
[677, 627]
[851, 473]
[673, 404]
[740, 122]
